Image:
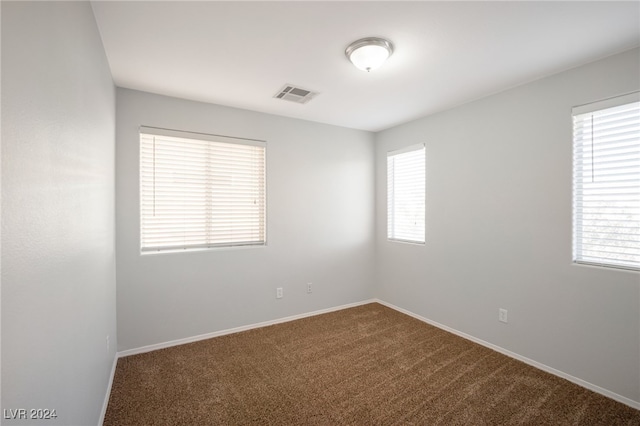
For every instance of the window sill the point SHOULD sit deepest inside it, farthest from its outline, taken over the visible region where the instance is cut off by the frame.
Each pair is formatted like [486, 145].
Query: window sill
[203, 249]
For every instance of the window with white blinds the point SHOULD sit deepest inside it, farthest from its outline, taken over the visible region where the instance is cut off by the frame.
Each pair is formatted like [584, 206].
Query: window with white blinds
[200, 191]
[606, 183]
[406, 194]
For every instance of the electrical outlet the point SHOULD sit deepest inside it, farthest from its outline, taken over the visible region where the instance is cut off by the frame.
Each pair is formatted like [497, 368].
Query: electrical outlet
[502, 315]
[107, 344]
[279, 293]
[308, 287]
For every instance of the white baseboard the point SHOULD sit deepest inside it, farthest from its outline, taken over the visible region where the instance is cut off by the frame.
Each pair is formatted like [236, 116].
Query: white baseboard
[536, 364]
[177, 342]
[108, 394]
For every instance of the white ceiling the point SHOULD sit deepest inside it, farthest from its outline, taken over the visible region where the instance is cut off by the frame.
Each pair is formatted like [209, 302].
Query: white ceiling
[446, 53]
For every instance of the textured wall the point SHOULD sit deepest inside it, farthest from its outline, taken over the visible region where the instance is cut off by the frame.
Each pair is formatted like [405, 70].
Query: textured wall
[498, 222]
[320, 210]
[58, 261]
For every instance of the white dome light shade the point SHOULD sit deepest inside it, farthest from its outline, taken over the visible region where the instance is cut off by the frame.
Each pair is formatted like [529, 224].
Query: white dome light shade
[369, 53]
[369, 58]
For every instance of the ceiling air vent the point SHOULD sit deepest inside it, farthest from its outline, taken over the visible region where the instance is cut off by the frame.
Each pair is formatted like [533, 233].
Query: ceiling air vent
[295, 94]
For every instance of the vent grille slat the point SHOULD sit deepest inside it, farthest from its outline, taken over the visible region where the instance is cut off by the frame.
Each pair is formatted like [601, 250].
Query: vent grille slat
[295, 94]
[299, 92]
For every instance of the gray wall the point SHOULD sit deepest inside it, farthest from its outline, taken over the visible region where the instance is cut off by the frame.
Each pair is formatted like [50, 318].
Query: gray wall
[58, 261]
[320, 227]
[498, 222]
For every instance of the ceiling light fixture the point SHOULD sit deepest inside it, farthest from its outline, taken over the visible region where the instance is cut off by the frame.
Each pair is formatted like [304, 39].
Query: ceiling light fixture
[369, 53]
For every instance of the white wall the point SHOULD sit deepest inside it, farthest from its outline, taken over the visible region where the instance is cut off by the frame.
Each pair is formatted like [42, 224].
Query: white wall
[320, 227]
[58, 261]
[498, 234]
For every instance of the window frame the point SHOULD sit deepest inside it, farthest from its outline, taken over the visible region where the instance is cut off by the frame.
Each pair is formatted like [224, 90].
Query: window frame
[391, 234]
[200, 138]
[577, 214]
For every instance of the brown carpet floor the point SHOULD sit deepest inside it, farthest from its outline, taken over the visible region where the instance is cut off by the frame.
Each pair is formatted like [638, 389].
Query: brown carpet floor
[367, 365]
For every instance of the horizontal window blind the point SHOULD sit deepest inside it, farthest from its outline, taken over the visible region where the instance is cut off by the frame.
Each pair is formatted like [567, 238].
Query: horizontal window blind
[199, 191]
[406, 194]
[606, 183]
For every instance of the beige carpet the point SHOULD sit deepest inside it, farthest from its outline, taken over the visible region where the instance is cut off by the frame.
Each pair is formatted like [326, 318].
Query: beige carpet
[368, 365]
